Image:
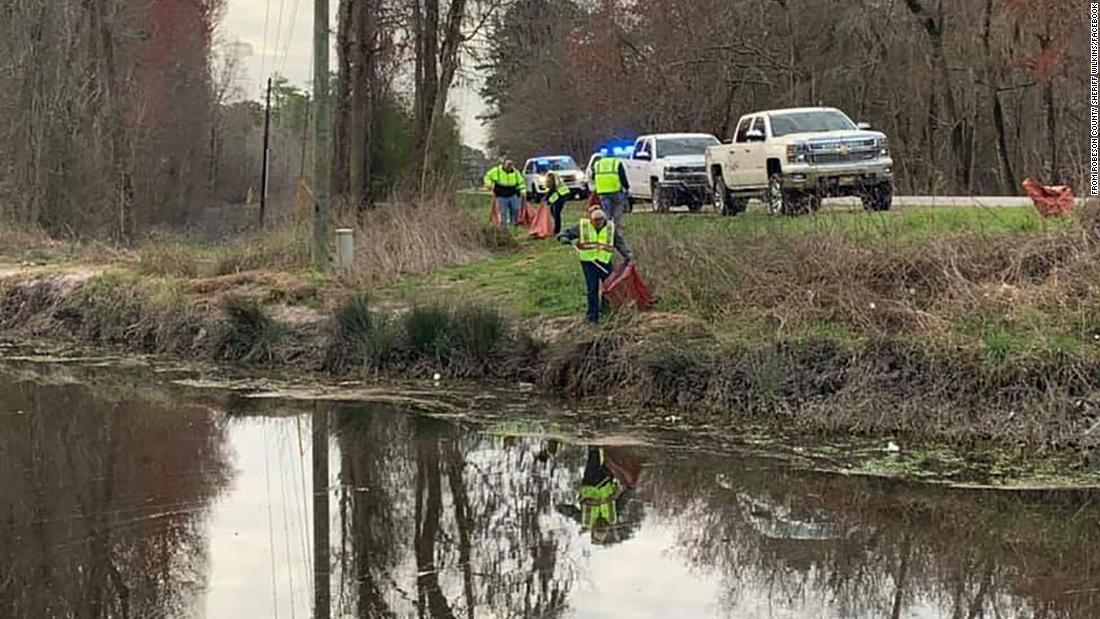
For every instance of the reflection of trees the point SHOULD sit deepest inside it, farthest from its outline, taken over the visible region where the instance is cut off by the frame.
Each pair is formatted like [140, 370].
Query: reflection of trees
[102, 492]
[468, 513]
[887, 547]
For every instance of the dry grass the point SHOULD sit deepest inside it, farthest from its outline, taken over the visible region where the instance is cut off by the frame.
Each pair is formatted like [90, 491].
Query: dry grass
[411, 236]
[884, 286]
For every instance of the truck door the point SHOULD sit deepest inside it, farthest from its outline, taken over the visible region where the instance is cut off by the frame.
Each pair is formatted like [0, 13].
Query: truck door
[755, 164]
[637, 168]
[740, 155]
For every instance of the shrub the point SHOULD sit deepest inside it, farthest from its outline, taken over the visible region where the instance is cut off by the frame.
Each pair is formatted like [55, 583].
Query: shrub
[360, 336]
[251, 334]
[430, 331]
[478, 331]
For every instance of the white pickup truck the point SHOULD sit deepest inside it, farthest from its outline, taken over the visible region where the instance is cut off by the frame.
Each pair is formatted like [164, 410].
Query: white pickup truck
[669, 169]
[793, 158]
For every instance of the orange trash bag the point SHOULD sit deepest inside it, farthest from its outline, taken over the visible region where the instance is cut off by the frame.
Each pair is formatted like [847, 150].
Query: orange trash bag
[1056, 201]
[542, 226]
[625, 288]
[526, 214]
[494, 214]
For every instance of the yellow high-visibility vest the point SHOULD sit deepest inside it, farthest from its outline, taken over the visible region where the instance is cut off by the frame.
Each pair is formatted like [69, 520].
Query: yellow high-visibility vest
[589, 234]
[606, 172]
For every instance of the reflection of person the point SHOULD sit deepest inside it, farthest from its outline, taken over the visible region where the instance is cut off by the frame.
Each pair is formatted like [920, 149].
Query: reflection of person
[604, 507]
[598, 494]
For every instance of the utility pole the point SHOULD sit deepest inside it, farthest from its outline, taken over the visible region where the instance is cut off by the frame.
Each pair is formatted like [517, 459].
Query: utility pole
[322, 124]
[322, 601]
[265, 175]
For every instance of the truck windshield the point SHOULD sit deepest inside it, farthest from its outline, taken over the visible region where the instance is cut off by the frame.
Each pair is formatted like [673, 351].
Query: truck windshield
[809, 122]
[555, 163]
[675, 147]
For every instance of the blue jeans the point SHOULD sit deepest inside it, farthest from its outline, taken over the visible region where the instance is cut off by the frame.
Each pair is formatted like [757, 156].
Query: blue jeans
[593, 277]
[613, 204]
[509, 210]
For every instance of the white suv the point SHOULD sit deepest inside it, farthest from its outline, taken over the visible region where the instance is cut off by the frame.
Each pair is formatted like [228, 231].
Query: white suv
[536, 168]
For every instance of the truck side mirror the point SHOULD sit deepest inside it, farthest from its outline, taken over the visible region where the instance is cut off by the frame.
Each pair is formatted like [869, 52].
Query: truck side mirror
[864, 126]
[643, 156]
[755, 135]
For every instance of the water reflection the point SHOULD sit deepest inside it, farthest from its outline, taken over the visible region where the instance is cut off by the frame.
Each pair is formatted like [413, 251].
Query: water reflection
[127, 501]
[102, 497]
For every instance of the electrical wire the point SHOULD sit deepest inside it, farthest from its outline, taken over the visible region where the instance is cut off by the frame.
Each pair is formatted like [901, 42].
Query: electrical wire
[263, 50]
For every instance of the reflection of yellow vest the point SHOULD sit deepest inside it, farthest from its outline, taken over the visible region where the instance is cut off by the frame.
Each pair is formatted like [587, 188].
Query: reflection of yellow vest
[598, 503]
[589, 234]
[607, 176]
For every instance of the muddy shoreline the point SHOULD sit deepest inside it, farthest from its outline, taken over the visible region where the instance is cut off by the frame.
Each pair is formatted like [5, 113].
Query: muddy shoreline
[876, 390]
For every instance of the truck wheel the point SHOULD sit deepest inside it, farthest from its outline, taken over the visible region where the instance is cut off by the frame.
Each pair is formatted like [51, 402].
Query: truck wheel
[659, 203]
[878, 198]
[779, 200]
[724, 202]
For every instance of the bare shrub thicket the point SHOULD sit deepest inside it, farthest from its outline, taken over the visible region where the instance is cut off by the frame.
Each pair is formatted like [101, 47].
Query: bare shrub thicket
[105, 111]
[974, 95]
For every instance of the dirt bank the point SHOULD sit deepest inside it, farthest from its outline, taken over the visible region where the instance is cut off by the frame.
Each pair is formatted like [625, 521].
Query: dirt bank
[1046, 403]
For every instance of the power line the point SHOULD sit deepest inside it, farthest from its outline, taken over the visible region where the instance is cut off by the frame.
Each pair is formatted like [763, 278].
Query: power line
[263, 50]
[278, 36]
[290, 36]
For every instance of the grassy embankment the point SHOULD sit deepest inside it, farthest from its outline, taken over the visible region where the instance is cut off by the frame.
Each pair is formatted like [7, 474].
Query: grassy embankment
[961, 325]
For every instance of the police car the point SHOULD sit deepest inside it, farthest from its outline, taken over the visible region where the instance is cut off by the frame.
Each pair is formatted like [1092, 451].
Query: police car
[536, 169]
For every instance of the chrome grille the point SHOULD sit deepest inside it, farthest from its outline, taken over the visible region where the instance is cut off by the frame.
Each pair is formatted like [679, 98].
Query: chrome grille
[840, 157]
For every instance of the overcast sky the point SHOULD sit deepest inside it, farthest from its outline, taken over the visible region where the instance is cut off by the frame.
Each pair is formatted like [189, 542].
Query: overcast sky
[287, 51]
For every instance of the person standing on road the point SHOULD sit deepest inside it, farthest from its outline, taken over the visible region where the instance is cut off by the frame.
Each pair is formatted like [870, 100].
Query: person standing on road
[612, 186]
[597, 240]
[509, 188]
[557, 196]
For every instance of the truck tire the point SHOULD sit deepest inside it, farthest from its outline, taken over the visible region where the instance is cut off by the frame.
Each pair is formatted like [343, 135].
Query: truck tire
[878, 198]
[781, 201]
[659, 203]
[725, 203]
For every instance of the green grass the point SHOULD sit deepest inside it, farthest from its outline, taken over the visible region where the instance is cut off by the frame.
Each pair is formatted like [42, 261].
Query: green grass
[543, 279]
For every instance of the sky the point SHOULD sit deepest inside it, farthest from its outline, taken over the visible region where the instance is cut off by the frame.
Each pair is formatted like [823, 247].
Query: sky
[286, 49]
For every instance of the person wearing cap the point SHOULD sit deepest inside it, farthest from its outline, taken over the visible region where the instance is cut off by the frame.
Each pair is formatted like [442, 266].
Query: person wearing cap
[509, 188]
[596, 241]
[557, 196]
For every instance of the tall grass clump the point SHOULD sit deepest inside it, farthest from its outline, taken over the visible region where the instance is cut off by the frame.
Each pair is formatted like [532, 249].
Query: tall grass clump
[429, 330]
[478, 331]
[285, 248]
[412, 234]
[123, 308]
[361, 337]
[250, 333]
[170, 260]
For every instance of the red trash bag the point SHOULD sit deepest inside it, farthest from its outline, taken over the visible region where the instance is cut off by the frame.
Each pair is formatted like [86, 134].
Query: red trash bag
[526, 214]
[542, 226]
[494, 214]
[1054, 201]
[626, 288]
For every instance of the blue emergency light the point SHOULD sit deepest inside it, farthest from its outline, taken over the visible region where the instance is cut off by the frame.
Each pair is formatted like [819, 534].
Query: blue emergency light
[617, 148]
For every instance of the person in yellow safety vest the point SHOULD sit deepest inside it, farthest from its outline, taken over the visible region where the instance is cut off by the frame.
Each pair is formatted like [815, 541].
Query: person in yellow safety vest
[509, 187]
[597, 239]
[557, 196]
[611, 186]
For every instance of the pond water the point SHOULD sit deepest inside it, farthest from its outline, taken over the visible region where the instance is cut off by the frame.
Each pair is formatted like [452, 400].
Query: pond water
[127, 495]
